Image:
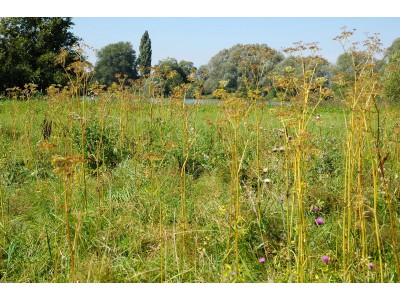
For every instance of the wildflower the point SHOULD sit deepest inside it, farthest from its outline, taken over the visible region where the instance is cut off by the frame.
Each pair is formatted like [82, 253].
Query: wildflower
[371, 266]
[265, 170]
[267, 180]
[316, 208]
[233, 273]
[325, 259]
[319, 221]
[261, 260]
[282, 199]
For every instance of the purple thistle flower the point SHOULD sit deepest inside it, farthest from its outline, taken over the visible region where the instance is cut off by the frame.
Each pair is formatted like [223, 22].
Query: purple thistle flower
[325, 259]
[316, 208]
[371, 266]
[319, 221]
[261, 260]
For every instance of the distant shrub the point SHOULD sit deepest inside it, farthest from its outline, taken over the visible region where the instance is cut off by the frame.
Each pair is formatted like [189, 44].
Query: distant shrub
[14, 172]
[100, 145]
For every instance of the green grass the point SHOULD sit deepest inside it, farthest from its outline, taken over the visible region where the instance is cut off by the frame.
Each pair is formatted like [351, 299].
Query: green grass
[125, 216]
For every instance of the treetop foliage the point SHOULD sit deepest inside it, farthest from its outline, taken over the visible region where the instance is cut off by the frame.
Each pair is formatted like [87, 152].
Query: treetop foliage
[118, 58]
[393, 49]
[237, 62]
[28, 48]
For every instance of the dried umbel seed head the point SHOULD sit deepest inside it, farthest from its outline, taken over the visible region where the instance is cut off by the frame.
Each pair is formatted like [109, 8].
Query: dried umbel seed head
[45, 145]
[65, 165]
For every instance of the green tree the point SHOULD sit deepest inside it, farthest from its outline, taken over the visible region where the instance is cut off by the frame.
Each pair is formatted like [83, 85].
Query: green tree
[168, 75]
[349, 63]
[393, 49]
[238, 64]
[322, 69]
[28, 48]
[145, 53]
[185, 68]
[118, 58]
[171, 74]
[391, 77]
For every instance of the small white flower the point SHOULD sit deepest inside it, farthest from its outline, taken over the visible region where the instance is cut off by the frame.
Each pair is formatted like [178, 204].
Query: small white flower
[267, 180]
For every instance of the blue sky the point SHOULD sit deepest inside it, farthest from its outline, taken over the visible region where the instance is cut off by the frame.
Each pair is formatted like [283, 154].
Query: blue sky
[198, 39]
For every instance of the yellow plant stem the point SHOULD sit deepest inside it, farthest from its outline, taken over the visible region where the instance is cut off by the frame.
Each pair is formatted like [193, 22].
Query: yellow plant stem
[3, 219]
[67, 185]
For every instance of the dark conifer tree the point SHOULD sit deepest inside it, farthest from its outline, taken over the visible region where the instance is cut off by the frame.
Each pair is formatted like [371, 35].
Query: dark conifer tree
[145, 53]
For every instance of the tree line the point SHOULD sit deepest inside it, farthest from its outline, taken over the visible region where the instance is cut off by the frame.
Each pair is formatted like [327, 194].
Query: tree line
[29, 46]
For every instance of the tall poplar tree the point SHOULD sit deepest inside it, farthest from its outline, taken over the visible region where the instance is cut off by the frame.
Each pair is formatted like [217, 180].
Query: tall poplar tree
[145, 54]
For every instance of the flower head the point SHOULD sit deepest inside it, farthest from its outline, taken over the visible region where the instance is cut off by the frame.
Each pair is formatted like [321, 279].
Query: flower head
[316, 208]
[325, 259]
[319, 221]
[261, 260]
[371, 266]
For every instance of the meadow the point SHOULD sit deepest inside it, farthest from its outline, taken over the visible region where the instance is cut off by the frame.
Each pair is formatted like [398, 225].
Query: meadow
[120, 189]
